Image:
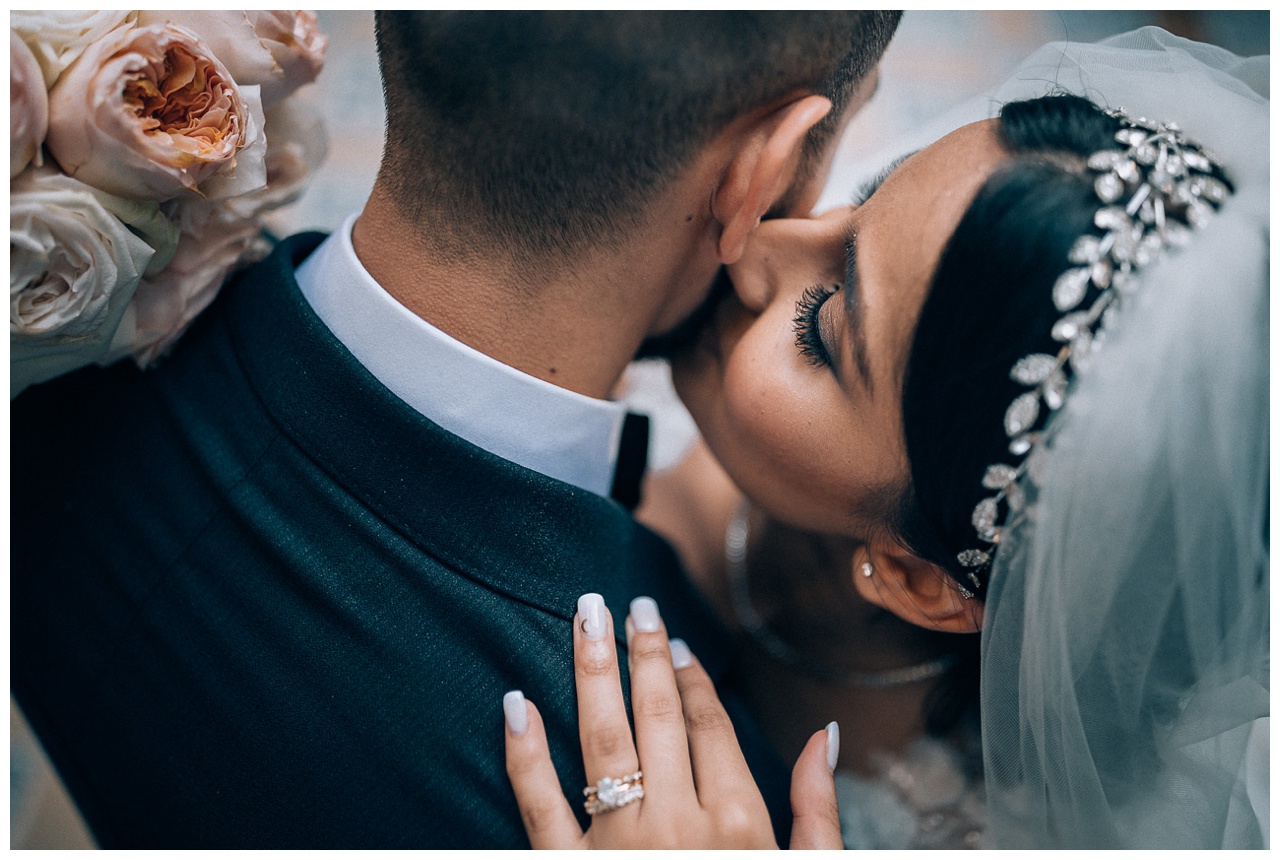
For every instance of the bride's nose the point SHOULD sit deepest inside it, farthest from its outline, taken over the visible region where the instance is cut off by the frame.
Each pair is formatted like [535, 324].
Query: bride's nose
[782, 258]
[778, 258]
[754, 275]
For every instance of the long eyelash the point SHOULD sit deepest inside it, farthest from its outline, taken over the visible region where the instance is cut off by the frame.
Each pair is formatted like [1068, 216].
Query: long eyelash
[805, 324]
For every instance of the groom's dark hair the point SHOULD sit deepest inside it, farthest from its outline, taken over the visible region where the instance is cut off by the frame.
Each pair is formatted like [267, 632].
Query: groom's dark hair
[549, 132]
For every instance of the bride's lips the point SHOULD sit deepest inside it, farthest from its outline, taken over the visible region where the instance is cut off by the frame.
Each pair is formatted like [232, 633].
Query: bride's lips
[709, 339]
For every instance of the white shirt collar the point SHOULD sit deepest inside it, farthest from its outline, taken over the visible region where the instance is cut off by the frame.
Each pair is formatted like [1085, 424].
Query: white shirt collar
[519, 417]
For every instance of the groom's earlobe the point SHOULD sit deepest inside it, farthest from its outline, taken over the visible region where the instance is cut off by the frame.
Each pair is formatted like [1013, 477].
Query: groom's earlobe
[761, 171]
[913, 589]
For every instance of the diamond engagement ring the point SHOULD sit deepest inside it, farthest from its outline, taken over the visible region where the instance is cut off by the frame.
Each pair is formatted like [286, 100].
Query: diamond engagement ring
[612, 793]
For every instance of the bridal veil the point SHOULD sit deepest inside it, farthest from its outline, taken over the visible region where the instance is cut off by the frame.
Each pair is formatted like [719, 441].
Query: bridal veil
[1126, 674]
[1125, 652]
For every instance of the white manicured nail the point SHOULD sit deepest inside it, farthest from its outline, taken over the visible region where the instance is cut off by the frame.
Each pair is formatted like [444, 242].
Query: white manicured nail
[516, 711]
[591, 616]
[833, 745]
[644, 615]
[681, 656]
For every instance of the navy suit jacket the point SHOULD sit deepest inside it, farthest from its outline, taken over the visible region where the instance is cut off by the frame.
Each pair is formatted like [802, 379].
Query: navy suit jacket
[256, 600]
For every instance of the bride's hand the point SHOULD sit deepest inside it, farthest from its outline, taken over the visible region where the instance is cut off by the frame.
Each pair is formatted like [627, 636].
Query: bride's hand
[697, 790]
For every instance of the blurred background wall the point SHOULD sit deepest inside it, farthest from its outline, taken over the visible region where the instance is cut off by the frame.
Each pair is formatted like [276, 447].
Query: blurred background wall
[936, 60]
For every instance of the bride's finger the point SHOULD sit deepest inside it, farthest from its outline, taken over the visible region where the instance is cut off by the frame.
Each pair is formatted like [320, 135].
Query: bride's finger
[607, 746]
[655, 704]
[547, 817]
[719, 769]
[816, 824]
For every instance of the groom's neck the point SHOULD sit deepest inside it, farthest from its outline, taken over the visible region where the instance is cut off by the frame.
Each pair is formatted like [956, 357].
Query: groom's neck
[576, 326]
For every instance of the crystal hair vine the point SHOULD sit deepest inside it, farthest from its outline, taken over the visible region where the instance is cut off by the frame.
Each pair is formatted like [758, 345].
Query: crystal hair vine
[1155, 188]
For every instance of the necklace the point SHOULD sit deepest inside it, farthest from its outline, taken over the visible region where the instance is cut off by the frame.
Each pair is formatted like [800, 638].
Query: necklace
[735, 556]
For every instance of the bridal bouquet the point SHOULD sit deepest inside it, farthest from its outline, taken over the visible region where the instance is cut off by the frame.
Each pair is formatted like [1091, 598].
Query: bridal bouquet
[144, 149]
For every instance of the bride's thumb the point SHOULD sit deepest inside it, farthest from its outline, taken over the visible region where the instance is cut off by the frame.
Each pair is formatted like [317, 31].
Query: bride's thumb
[813, 793]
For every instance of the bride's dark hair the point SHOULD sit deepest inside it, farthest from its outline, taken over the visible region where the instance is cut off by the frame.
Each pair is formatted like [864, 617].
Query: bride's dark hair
[990, 304]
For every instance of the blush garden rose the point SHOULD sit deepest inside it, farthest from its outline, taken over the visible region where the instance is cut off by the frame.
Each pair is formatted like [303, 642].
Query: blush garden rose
[150, 113]
[141, 168]
[76, 256]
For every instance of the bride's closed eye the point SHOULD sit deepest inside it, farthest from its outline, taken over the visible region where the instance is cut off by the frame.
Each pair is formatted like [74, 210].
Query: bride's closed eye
[807, 324]
[815, 331]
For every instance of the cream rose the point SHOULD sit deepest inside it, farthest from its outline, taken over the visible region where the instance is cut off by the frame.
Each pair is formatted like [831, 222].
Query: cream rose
[278, 50]
[76, 256]
[28, 106]
[57, 38]
[150, 113]
[165, 305]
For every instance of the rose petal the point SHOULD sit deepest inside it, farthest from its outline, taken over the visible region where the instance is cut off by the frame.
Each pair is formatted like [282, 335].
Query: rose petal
[57, 38]
[28, 107]
[149, 113]
[278, 50]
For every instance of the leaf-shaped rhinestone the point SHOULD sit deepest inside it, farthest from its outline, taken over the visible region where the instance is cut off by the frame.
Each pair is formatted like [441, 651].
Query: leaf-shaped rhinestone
[1112, 218]
[1196, 161]
[1032, 369]
[1100, 274]
[1210, 188]
[1128, 171]
[1022, 413]
[1108, 187]
[998, 476]
[1065, 329]
[1130, 136]
[984, 517]
[1055, 387]
[973, 558]
[1105, 160]
[1086, 250]
[1146, 153]
[1070, 288]
[1021, 445]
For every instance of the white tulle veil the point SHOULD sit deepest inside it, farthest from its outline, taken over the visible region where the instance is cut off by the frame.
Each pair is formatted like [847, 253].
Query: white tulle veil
[1126, 673]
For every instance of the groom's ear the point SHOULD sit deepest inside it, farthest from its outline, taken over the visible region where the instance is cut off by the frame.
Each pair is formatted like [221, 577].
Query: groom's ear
[915, 590]
[761, 170]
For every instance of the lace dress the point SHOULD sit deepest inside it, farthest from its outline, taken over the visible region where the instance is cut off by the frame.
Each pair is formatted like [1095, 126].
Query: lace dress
[931, 797]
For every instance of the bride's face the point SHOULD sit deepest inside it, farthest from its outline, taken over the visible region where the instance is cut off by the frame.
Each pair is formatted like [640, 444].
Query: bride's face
[797, 383]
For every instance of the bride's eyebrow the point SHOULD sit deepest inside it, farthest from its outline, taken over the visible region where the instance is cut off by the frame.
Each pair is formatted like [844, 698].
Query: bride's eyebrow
[853, 307]
[872, 185]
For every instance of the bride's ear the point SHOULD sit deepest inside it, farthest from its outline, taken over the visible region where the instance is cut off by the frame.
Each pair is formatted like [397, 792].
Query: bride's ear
[915, 590]
[762, 168]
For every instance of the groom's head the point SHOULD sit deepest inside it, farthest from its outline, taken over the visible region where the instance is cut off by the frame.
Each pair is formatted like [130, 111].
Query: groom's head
[543, 136]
